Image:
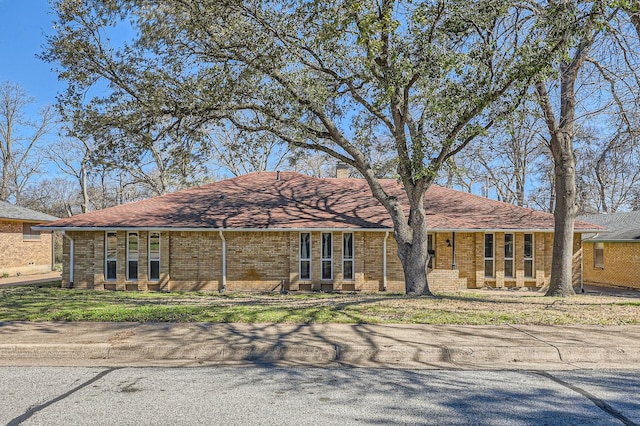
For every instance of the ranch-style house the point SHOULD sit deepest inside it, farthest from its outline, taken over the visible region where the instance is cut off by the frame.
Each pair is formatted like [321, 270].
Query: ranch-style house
[284, 230]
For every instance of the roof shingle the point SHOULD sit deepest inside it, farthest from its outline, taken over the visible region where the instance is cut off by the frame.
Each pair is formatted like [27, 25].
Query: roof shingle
[12, 212]
[295, 201]
[621, 226]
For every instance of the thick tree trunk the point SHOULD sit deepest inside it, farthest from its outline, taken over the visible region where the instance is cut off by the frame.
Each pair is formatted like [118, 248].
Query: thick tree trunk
[414, 257]
[564, 160]
[410, 233]
[566, 208]
[412, 239]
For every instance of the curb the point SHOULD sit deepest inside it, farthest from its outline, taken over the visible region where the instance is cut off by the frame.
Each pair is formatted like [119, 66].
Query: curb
[393, 356]
[75, 351]
[598, 354]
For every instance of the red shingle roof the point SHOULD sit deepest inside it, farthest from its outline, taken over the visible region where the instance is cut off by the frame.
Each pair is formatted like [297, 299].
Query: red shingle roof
[296, 201]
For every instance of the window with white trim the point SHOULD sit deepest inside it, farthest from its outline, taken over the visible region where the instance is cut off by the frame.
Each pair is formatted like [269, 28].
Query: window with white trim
[508, 255]
[598, 255]
[488, 256]
[528, 255]
[154, 256]
[305, 256]
[132, 256]
[347, 256]
[327, 256]
[111, 256]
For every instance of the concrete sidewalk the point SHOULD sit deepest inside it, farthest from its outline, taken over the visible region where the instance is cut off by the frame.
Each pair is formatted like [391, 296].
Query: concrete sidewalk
[32, 279]
[395, 346]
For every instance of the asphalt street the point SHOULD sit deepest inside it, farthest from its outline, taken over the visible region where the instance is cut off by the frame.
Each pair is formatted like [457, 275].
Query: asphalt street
[269, 395]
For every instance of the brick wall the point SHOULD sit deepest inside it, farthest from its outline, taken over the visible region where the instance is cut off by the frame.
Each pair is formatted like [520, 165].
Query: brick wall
[470, 260]
[195, 261]
[257, 260]
[621, 264]
[83, 272]
[263, 260]
[466, 259]
[20, 256]
[443, 280]
[89, 263]
[374, 266]
[368, 265]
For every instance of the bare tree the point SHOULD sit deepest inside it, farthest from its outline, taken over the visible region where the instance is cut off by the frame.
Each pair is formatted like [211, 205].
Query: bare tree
[57, 197]
[561, 124]
[160, 157]
[610, 171]
[505, 158]
[243, 153]
[72, 157]
[311, 163]
[18, 136]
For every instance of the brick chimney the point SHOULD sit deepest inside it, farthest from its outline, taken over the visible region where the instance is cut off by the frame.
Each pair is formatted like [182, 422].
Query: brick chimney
[342, 170]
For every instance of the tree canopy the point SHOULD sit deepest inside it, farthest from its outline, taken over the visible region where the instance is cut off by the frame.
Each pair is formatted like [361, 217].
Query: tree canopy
[427, 76]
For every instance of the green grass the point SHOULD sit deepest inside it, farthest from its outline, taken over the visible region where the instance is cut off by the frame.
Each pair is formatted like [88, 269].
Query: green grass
[47, 302]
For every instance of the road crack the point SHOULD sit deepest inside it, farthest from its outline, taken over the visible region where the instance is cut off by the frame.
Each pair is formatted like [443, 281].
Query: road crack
[540, 340]
[30, 412]
[596, 401]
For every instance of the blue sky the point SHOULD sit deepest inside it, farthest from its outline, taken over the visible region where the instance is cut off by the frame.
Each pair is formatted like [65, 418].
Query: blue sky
[23, 26]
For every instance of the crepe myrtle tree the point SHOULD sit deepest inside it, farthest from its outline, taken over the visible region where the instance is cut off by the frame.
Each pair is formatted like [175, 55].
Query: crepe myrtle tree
[428, 75]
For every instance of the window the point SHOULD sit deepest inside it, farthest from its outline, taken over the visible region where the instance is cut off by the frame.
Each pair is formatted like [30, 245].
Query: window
[154, 256]
[347, 256]
[132, 256]
[29, 234]
[508, 255]
[432, 252]
[598, 255]
[111, 247]
[327, 256]
[488, 255]
[305, 256]
[528, 255]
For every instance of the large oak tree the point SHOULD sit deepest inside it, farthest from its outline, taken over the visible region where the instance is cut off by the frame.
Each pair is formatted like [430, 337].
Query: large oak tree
[429, 76]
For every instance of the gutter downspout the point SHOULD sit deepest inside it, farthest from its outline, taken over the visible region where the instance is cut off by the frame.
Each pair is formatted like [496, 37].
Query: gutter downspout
[582, 271]
[224, 263]
[582, 264]
[453, 251]
[53, 250]
[71, 256]
[384, 262]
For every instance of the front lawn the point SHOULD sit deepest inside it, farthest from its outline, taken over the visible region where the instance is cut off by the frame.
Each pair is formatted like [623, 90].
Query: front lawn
[47, 303]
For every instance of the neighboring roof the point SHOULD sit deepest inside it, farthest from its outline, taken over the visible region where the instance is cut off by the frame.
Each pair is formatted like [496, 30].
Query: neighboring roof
[296, 201]
[621, 226]
[9, 211]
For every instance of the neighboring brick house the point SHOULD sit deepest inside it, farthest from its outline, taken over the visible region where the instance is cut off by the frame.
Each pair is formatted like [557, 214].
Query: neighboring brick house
[24, 250]
[613, 258]
[264, 230]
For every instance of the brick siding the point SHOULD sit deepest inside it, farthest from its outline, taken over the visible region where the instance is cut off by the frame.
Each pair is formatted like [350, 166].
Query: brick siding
[265, 260]
[621, 264]
[23, 256]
